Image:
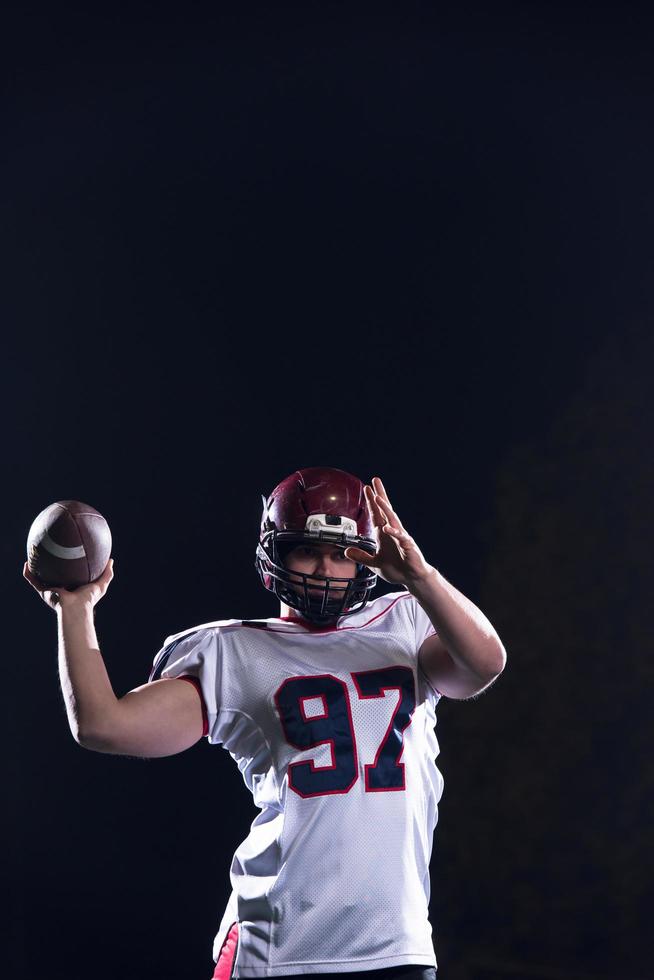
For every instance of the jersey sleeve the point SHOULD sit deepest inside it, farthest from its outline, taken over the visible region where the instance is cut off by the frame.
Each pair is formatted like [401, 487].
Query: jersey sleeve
[194, 657]
[420, 623]
[421, 628]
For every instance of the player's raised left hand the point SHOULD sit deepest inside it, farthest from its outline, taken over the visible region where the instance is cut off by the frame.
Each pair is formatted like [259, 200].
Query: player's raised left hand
[398, 558]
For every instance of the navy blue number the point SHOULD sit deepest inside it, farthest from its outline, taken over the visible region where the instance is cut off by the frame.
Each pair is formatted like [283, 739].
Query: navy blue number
[330, 725]
[387, 772]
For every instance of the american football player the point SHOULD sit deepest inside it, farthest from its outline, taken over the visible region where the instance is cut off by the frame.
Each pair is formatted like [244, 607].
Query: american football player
[329, 711]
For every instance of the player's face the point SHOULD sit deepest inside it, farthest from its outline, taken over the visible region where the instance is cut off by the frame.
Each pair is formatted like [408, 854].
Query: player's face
[320, 559]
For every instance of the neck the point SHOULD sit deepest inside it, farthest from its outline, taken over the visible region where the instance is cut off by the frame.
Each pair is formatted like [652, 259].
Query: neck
[287, 611]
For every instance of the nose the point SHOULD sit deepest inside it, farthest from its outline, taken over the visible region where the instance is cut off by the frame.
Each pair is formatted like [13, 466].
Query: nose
[324, 566]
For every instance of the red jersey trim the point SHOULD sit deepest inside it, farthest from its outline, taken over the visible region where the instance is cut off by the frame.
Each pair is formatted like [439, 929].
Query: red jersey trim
[227, 955]
[196, 684]
[313, 628]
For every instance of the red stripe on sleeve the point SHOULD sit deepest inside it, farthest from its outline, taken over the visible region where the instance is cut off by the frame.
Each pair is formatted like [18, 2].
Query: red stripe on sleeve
[196, 684]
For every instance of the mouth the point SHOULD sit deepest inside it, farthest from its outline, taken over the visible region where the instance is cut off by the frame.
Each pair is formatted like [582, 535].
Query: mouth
[333, 592]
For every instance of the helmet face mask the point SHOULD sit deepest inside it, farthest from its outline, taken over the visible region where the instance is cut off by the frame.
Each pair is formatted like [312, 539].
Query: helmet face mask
[313, 506]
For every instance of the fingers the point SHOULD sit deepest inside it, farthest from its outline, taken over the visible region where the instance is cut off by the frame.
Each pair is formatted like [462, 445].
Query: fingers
[379, 488]
[383, 503]
[390, 517]
[100, 585]
[27, 575]
[377, 514]
[38, 586]
[362, 557]
[51, 594]
[380, 507]
[404, 540]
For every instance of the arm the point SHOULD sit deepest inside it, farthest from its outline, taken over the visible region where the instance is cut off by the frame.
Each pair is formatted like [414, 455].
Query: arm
[467, 655]
[156, 719]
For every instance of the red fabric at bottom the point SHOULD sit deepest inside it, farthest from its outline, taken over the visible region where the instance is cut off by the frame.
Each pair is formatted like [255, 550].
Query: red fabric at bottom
[227, 956]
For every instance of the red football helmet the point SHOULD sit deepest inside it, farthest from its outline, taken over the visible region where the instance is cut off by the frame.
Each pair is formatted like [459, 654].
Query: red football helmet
[318, 504]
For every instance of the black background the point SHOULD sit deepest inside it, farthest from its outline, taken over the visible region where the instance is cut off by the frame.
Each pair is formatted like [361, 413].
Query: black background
[408, 240]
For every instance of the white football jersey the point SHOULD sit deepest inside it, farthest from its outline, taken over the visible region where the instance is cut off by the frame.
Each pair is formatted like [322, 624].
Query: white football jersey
[333, 731]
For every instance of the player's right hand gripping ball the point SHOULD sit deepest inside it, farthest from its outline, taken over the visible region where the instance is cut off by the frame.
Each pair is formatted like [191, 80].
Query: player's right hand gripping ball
[68, 545]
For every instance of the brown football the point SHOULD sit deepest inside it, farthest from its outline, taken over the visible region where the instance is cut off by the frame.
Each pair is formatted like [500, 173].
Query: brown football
[68, 544]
